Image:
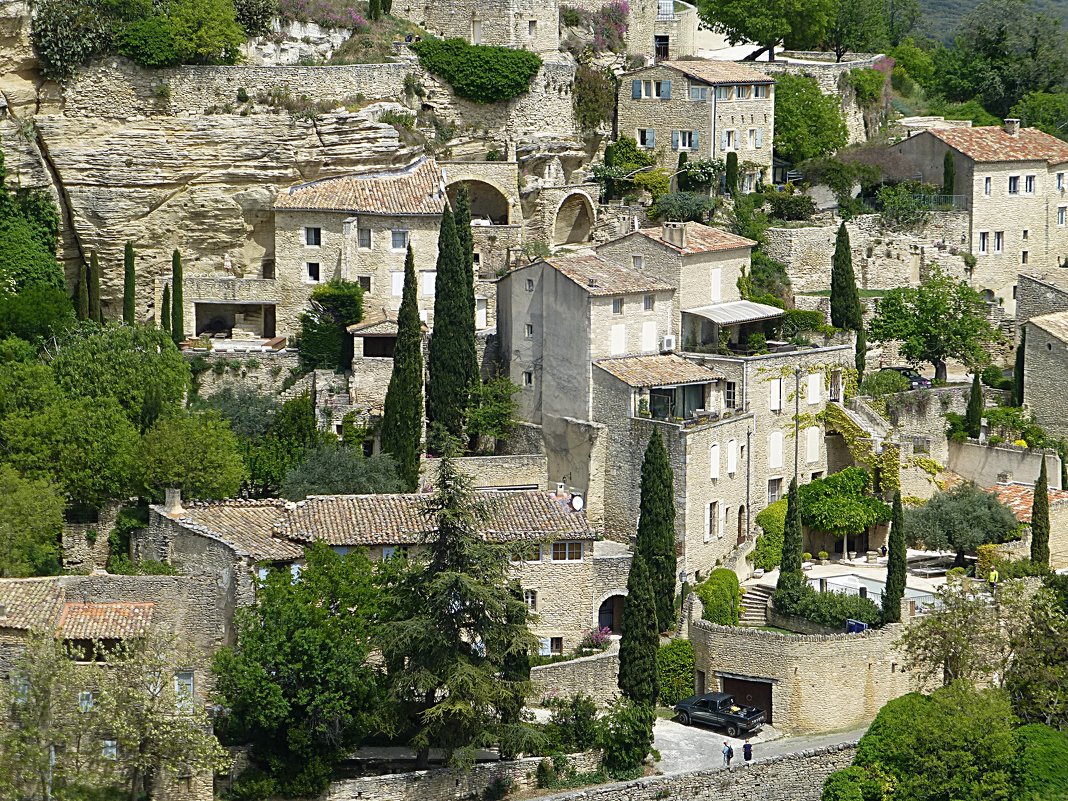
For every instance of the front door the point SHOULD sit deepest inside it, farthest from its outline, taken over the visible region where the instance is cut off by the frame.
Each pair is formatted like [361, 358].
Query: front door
[662, 47]
[750, 693]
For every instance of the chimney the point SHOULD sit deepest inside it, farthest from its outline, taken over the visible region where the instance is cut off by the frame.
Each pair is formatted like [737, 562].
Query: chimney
[1005, 477]
[1012, 126]
[172, 504]
[674, 233]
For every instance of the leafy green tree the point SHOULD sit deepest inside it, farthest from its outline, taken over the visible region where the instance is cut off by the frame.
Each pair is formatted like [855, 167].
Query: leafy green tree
[1038, 672]
[846, 311]
[35, 313]
[452, 626]
[656, 528]
[254, 16]
[1047, 111]
[1040, 520]
[949, 174]
[732, 174]
[896, 564]
[807, 122]
[1041, 768]
[680, 172]
[299, 684]
[842, 504]
[177, 298]
[82, 292]
[721, 597]
[402, 420]
[857, 26]
[31, 525]
[67, 35]
[23, 261]
[129, 286]
[271, 455]
[96, 313]
[675, 665]
[13, 349]
[26, 388]
[324, 338]
[134, 364]
[331, 469]
[165, 310]
[248, 411]
[901, 17]
[640, 642]
[206, 31]
[626, 738]
[1018, 371]
[940, 319]
[772, 521]
[516, 735]
[685, 206]
[767, 24]
[493, 412]
[194, 452]
[973, 416]
[960, 519]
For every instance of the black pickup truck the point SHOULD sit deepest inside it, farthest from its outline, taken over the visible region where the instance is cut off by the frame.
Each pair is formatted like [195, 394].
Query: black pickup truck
[719, 709]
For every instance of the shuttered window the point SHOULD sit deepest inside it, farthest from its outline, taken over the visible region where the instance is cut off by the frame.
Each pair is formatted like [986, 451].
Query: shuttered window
[815, 388]
[812, 444]
[713, 461]
[775, 449]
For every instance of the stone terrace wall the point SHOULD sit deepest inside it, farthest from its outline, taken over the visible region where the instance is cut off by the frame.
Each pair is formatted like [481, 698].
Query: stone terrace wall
[263, 372]
[496, 471]
[983, 464]
[594, 676]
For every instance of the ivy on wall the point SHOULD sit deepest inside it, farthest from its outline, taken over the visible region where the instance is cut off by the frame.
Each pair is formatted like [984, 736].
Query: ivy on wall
[480, 73]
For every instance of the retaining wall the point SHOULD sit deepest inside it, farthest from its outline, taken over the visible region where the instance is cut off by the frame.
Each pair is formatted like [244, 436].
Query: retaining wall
[595, 676]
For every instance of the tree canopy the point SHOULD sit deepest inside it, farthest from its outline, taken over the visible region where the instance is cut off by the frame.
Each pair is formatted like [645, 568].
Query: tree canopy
[808, 123]
[333, 469]
[842, 503]
[196, 453]
[31, 524]
[960, 519]
[768, 23]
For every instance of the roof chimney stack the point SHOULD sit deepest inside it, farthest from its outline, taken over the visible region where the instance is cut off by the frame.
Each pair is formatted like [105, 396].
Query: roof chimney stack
[674, 233]
[1012, 126]
[172, 503]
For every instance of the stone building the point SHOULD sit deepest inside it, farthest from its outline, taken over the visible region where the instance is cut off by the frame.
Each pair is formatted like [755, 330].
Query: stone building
[705, 109]
[1038, 294]
[1013, 182]
[1020, 498]
[521, 24]
[1045, 365]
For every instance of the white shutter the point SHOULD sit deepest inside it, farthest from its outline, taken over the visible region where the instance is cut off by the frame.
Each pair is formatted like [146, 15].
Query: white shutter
[619, 339]
[544, 647]
[732, 456]
[760, 138]
[815, 386]
[721, 524]
[775, 449]
[648, 336]
[481, 320]
[708, 522]
[812, 444]
[716, 279]
[775, 394]
[723, 141]
[429, 282]
[713, 461]
[396, 282]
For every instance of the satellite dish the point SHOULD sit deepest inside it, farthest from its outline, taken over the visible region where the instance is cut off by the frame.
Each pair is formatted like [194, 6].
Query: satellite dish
[576, 503]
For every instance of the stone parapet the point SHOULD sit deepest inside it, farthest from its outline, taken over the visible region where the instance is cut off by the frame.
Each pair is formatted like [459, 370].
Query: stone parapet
[595, 676]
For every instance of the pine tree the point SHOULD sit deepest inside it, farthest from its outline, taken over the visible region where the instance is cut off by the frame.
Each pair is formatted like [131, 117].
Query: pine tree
[451, 352]
[129, 286]
[896, 565]
[973, 416]
[640, 642]
[95, 313]
[845, 300]
[732, 174]
[402, 422]
[1040, 520]
[165, 312]
[177, 300]
[681, 177]
[861, 356]
[656, 528]
[1018, 371]
[949, 173]
[82, 294]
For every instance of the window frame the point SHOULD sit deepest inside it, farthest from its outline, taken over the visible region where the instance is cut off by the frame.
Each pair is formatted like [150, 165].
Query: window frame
[1030, 184]
[649, 302]
[1014, 184]
[1062, 216]
[530, 598]
[568, 548]
[984, 243]
[618, 304]
[999, 242]
[775, 483]
[393, 236]
[365, 283]
[313, 232]
[528, 378]
[360, 232]
[309, 278]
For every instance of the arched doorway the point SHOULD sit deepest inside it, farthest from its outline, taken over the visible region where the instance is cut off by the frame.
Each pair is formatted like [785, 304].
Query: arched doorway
[489, 206]
[610, 614]
[574, 220]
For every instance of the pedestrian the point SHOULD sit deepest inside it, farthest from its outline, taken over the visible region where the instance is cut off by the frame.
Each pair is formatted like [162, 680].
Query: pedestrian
[727, 754]
[747, 752]
[993, 579]
[882, 551]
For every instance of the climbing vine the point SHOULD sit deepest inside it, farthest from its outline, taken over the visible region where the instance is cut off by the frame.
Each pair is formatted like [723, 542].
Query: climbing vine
[480, 73]
[887, 463]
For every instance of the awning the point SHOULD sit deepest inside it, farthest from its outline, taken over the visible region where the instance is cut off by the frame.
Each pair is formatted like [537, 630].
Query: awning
[736, 312]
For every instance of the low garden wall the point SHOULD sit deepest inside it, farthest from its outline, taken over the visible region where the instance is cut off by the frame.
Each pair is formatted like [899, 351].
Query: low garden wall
[986, 465]
[595, 676]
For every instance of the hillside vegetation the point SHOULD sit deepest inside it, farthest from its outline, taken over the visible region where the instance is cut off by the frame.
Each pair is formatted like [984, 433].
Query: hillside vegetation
[941, 17]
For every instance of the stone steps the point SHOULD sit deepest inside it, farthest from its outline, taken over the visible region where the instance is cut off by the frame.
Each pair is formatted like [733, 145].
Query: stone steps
[755, 606]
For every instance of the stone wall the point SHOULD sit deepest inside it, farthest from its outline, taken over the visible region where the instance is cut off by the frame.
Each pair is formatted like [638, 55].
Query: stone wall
[988, 465]
[265, 373]
[594, 676]
[85, 545]
[488, 472]
[1036, 296]
[1045, 360]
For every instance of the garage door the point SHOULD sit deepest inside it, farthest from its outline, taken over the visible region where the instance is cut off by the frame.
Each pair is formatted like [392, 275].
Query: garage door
[750, 693]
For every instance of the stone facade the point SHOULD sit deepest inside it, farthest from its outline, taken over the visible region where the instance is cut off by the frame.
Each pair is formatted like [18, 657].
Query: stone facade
[1039, 294]
[85, 545]
[520, 471]
[1045, 364]
[265, 372]
[988, 465]
[596, 676]
[519, 24]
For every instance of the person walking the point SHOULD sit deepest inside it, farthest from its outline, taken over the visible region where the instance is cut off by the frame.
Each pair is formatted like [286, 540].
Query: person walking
[747, 752]
[993, 579]
[728, 754]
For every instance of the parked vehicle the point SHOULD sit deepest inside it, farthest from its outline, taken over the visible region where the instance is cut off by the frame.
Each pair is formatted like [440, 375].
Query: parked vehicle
[916, 381]
[720, 709]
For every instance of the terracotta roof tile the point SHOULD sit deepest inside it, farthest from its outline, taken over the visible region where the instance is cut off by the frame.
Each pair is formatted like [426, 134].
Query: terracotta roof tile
[414, 190]
[1020, 497]
[601, 277]
[244, 525]
[700, 239]
[657, 371]
[1055, 324]
[29, 603]
[104, 621]
[718, 72]
[992, 143]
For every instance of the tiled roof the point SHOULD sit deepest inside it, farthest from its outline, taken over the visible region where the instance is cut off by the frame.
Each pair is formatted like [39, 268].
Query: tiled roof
[411, 191]
[402, 519]
[657, 371]
[601, 277]
[104, 621]
[29, 603]
[244, 525]
[700, 239]
[718, 72]
[1020, 497]
[1055, 323]
[991, 143]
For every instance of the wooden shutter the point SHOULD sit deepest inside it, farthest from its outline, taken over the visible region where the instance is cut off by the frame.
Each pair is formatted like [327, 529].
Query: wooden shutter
[812, 444]
[665, 90]
[775, 449]
[713, 461]
[636, 90]
[815, 388]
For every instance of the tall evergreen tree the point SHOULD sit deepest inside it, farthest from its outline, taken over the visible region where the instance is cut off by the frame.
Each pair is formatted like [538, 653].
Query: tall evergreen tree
[973, 415]
[515, 670]
[1018, 371]
[402, 421]
[846, 311]
[656, 528]
[165, 311]
[949, 174]
[681, 177]
[861, 356]
[95, 312]
[896, 565]
[82, 295]
[640, 643]
[732, 174]
[129, 285]
[1040, 520]
[462, 217]
[451, 353]
[177, 299]
[791, 584]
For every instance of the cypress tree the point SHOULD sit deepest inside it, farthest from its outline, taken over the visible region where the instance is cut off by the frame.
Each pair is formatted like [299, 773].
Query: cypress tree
[165, 312]
[861, 357]
[177, 301]
[656, 528]
[791, 584]
[973, 416]
[95, 313]
[845, 300]
[462, 216]
[402, 421]
[1018, 371]
[129, 285]
[680, 177]
[896, 565]
[374, 9]
[1040, 520]
[949, 173]
[450, 354]
[640, 641]
[83, 292]
[732, 174]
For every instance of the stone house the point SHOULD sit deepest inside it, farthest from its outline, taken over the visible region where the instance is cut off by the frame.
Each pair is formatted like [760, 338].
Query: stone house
[1013, 181]
[705, 109]
[520, 24]
[1038, 294]
[1045, 365]
[1020, 498]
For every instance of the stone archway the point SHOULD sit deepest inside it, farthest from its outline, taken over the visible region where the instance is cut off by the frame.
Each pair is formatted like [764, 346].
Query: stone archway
[610, 612]
[489, 205]
[574, 219]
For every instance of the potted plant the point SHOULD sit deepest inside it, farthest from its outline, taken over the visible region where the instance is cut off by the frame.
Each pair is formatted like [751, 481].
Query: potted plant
[643, 407]
[824, 557]
[806, 561]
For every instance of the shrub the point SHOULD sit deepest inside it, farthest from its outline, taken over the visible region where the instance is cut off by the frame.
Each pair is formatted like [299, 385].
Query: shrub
[480, 73]
[883, 382]
[721, 597]
[626, 737]
[594, 96]
[150, 42]
[790, 205]
[494, 155]
[993, 377]
[832, 609]
[797, 321]
[757, 343]
[498, 788]
[573, 724]
[684, 207]
[768, 551]
[868, 85]
[1042, 766]
[675, 671]
[66, 34]
[656, 182]
[398, 119]
[255, 17]
[545, 776]
[901, 207]
[595, 639]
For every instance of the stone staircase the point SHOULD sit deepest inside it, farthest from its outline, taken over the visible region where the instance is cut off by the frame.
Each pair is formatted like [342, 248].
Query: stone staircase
[755, 605]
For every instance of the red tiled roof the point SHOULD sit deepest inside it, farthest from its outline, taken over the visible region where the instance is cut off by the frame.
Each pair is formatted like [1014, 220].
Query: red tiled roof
[1020, 497]
[718, 72]
[29, 604]
[700, 239]
[992, 144]
[657, 371]
[601, 277]
[414, 190]
[104, 621]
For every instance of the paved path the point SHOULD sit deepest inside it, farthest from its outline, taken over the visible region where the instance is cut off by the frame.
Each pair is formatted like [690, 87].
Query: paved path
[686, 748]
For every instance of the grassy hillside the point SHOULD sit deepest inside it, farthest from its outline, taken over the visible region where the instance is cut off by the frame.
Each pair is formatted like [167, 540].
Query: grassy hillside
[942, 17]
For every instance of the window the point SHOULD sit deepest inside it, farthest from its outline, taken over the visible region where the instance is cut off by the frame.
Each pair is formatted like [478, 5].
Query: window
[921, 445]
[984, 242]
[1014, 184]
[986, 187]
[1060, 182]
[760, 91]
[313, 237]
[567, 551]
[724, 93]
[775, 394]
[556, 645]
[528, 330]
[646, 138]
[730, 395]
[109, 749]
[85, 700]
[1023, 260]
[618, 343]
[648, 336]
[313, 270]
[744, 92]
[530, 285]
[699, 93]
[1029, 184]
[816, 475]
[396, 284]
[715, 284]
[711, 519]
[617, 305]
[1062, 215]
[528, 378]
[815, 388]
[532, 27]
[732, 457]
[476, 32]
[1025, 234]
[183, 690]
[774, 490]
[684, 140]
[812, 444]
[750, 138]
[530, 597]
[999, 241]
[649, 302]
[363, 238]
[398, 240]
[775, 449]
[430, 278]
[637, 262]
[727, 140]
[713, 461]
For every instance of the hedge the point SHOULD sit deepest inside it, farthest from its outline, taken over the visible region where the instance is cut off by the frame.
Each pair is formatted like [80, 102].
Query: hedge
[721, 597]
[480, 73]
[768, 552]
[675, 671]
[833, 609]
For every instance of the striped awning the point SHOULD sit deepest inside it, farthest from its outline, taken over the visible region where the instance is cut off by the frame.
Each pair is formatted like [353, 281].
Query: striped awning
[736, 312]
